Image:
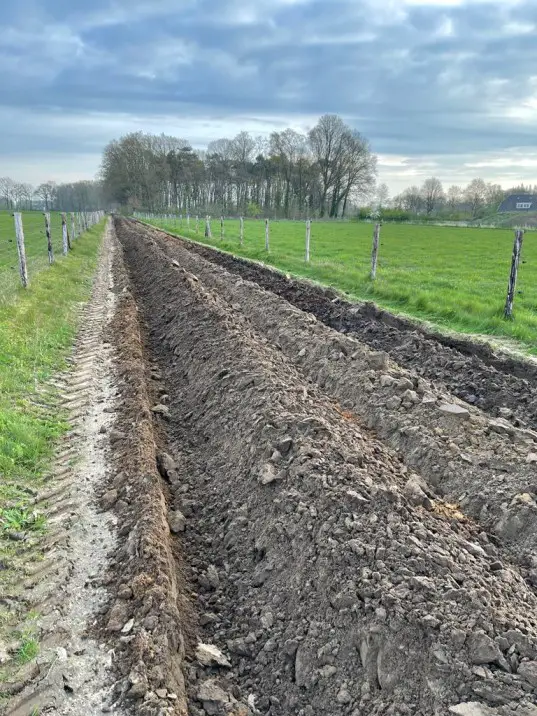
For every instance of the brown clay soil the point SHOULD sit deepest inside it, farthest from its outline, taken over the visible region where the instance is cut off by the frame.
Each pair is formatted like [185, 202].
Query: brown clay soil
[341, 533]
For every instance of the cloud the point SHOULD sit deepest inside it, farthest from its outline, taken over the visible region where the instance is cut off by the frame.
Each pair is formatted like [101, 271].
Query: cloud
[437, 86]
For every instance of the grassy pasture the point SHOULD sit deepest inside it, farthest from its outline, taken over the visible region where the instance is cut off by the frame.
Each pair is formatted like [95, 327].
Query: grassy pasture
[453, 277]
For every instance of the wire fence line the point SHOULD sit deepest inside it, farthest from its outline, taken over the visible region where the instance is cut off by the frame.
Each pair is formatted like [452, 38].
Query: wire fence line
[186, 222]
[72, 226]
[178, 222]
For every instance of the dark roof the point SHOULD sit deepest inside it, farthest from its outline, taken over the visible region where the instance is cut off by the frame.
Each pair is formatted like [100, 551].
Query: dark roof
[511, 201]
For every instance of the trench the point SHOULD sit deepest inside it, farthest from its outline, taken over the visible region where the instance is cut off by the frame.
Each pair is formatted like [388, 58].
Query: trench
[320, 562]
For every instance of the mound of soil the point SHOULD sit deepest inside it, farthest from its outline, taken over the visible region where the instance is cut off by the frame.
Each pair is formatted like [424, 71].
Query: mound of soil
[486, 465]
[150, 619]
[322, 567]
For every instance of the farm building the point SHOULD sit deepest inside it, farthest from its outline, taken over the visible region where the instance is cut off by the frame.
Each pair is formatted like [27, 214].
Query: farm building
[519, 202]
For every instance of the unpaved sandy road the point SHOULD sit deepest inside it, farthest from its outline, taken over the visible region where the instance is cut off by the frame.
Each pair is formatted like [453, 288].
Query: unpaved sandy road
[72, 674]
[325, 561]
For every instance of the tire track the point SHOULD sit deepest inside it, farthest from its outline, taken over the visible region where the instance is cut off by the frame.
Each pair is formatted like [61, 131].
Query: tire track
[72, 674]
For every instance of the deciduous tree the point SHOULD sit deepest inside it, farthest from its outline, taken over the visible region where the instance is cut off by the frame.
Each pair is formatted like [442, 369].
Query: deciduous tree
[475, 194]
[432, 193]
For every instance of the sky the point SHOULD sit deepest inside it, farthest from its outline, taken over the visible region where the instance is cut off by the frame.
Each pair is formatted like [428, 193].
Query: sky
[443, 88]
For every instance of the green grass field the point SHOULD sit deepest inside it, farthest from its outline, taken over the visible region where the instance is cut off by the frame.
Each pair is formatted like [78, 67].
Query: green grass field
[37, 329]
[35, 241]
[455, 278]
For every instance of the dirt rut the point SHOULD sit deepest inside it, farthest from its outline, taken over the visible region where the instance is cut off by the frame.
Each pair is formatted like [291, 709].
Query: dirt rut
[505, 387]
[320, 565]
[149, 619]
[486, 465]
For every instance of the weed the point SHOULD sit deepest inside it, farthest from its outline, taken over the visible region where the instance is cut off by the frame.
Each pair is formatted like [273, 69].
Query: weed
[21, 519]
[29, 646]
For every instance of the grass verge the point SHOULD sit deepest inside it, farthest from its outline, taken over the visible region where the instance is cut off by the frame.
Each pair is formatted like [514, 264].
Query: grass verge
[37, 331]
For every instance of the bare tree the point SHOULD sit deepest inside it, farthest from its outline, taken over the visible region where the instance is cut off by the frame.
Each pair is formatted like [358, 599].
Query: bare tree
[290, 147]
[359, 168]
[18, 193]
[28, 192]
[326, 141]
[494, 194]
[344, 161]
[475, 194]
[411, 199]
[454, 197]
[6, 189]
[47, 193]
[242, 148]
[432, 193]
[382, 196]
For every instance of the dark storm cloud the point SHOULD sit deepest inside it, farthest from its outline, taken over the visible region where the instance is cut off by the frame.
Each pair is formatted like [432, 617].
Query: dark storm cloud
[417, 78]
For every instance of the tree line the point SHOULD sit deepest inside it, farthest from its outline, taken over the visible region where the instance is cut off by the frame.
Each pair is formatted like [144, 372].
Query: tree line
[76, 196]
[473, 201]
[325, 172]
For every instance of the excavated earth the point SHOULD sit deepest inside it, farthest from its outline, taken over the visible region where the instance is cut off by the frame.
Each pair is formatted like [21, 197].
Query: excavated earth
[501, 385]
[330, 530]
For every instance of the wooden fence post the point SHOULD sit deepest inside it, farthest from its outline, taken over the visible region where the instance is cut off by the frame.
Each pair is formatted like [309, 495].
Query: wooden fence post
[515, 261]
[241, 231]
[19, 231]
[188, 222]
[73, 228]
[68, 234]
[308, 237]
[374, 253]
[267, 234]
[197, 224]
[221, 228]
[65, 239]
[49, 238]
[208, 234]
